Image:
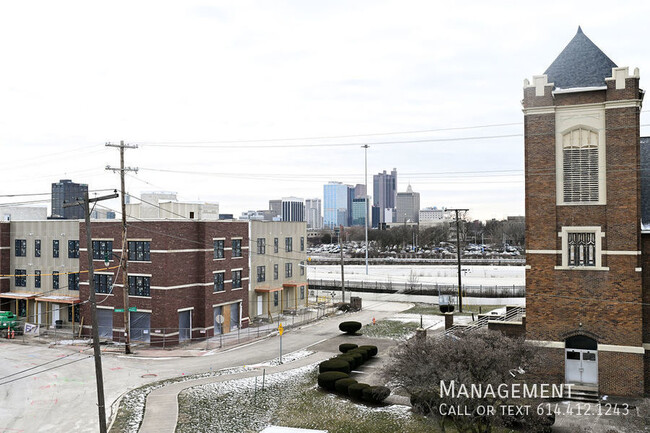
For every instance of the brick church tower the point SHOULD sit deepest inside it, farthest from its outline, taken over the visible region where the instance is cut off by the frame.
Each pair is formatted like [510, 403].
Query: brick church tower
[584, 285]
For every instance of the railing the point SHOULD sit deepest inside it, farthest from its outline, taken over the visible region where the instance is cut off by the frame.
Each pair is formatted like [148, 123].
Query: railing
[428, 289]
[404, 259]
[512, 314]
[169, 337]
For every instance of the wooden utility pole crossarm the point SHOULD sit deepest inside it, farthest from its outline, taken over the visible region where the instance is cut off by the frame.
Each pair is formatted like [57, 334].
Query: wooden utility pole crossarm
[93, 305]
[125, 245]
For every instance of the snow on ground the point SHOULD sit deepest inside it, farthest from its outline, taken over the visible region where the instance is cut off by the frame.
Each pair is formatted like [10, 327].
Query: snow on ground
[133, 401]
[239, 405]
[289, 357]
[429, 321]
[441, 274]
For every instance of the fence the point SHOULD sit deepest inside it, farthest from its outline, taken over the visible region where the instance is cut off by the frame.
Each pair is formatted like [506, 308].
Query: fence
[428, 289]
[169, 337]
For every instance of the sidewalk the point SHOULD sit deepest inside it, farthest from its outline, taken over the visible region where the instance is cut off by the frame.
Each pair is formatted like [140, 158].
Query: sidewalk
[161, 409]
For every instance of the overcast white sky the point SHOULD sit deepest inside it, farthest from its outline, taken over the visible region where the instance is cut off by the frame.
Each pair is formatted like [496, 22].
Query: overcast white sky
[175, 77]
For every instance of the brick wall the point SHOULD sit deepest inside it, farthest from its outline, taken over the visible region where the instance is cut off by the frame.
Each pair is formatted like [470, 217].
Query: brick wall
[181, 268]
[603, 304]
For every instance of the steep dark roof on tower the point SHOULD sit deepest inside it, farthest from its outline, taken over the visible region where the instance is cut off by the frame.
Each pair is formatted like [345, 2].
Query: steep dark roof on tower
[580, 64]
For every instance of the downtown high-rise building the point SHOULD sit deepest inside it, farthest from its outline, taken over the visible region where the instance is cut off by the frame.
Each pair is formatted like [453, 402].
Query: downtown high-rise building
[407, 206]
[385, 194]
[293, 209]
[313, 213]
[66, 191]
[335, 204]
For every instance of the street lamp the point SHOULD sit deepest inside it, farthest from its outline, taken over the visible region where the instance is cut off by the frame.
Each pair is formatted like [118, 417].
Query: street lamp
[365, 147]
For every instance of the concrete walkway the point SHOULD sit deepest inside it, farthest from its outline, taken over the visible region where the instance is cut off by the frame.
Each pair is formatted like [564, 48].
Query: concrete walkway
[161, 409]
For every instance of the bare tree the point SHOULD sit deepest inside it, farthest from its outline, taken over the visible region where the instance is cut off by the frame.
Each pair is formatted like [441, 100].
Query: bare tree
[412, 282]
[427, 368]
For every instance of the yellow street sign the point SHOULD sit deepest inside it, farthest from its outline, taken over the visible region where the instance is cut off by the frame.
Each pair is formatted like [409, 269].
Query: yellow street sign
[280, 329]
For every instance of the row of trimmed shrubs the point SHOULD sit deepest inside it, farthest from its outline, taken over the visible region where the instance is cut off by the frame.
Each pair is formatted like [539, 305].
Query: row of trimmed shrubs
[335, 374]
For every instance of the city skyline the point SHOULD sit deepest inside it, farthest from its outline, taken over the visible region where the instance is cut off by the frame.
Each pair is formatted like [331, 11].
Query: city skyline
[282, 104]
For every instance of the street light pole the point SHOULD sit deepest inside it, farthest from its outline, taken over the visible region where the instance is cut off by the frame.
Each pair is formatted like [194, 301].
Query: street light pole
[458, 252]
[365, 147]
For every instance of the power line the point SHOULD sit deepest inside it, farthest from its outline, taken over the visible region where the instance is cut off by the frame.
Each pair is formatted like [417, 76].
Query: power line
[459, 128]
[48, 369]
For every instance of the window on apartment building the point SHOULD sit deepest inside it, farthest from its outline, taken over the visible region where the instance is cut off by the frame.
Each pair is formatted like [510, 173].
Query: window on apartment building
[276, 299]
[20, 277]
[218, 249]
[139, 285]
[37, 248]
[55, 280]
[302, 292]
[103, 283]
[276, 271]
[73, 281]
[21, 247]
[261, 246]
[236, 248]
[302, 268]
[102, 250]
[55, 248]
[582, 249]
[77, 313]
[288, 244]
[37, 279]
[139, 251]
[302, 243]
[218, 282]
[276, 245]
[580, 166]
[73, 249]
[288, 270]
[261, 274]
[236, 279]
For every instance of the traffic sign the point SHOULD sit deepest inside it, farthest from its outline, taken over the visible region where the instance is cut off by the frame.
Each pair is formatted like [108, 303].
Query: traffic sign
[280, 329]
[132, 309]
[119, 310]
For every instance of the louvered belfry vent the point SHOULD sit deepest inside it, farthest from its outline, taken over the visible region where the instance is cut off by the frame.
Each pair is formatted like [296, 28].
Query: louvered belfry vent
[580, 166]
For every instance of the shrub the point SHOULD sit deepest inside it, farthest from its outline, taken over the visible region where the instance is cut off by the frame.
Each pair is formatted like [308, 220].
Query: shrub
[372, 350]
[347, 346]
[358, 358]
[375, 394]
[349, 327]
[423, 401]
[334, 365]
[345, 306]
[362, 352]
[349, 359]
[355, 391]
[342, 385]
[328, 379]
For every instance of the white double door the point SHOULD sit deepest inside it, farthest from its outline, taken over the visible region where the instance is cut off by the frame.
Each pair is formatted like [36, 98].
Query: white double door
[581, 366]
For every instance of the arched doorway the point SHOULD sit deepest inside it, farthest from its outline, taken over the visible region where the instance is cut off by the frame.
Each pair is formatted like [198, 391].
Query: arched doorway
[581, 360]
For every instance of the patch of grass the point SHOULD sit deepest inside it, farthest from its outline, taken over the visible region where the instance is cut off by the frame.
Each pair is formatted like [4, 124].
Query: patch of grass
[433, 309]
[390, 329]
[291, 402]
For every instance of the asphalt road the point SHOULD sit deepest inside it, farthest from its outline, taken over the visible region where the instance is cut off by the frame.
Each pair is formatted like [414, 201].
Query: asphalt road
[52, 389]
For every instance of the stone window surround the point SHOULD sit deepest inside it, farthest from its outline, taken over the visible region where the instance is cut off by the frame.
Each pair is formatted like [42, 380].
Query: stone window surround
[563, 234]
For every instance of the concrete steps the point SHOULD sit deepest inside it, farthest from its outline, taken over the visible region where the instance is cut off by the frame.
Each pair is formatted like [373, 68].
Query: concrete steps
[582, 393]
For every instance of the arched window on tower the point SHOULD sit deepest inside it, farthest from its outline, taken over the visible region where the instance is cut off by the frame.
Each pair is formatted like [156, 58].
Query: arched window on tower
[580, 165]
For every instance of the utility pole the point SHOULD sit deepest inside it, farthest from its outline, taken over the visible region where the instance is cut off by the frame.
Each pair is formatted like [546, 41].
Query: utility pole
[365, 178]
[342, 274]
[125, 245]
[93, 306]
[458, 252]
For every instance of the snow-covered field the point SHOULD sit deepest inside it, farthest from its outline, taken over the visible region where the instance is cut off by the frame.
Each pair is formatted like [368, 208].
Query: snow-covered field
[441, 274]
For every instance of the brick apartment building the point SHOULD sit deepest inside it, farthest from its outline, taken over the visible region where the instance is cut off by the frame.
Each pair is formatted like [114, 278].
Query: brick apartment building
[587, 282]
[184, 276]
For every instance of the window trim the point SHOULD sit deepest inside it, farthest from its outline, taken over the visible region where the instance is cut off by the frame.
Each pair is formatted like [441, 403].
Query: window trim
[570, 119]
[222, 282]
[564, 235]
